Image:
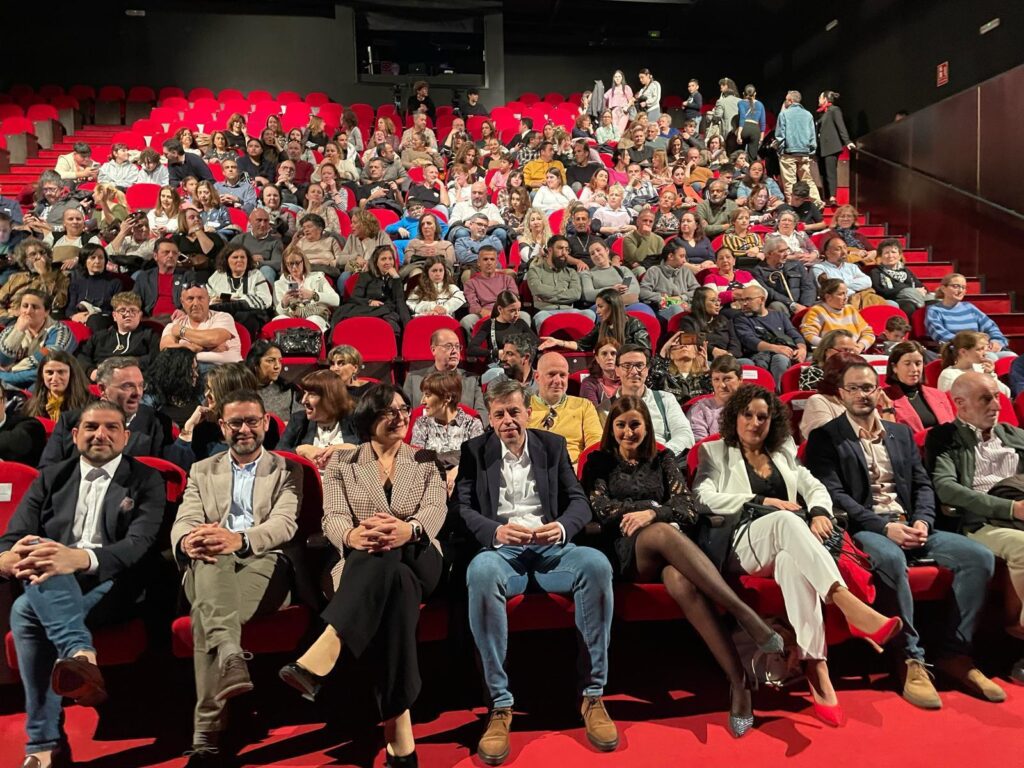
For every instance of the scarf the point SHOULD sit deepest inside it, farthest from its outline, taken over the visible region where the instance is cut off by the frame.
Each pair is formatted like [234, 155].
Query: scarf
[849, 236]
[824, 107]
[53, 406]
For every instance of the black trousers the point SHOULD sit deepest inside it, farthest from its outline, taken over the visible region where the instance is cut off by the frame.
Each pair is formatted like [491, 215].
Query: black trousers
[751, 138]
[375, 612]
[828, 166]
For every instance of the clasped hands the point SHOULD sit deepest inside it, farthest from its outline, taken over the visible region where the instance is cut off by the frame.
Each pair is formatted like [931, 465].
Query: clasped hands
[380, 533]
[207, 541]
[35, 559]
[518, 535]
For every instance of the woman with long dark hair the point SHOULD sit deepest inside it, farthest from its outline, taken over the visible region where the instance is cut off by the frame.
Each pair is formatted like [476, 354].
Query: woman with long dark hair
[378, 292]
[91, 289]
[707, 321]
[504, 320]
[61, 386]
[172, 384]
[645, 509]
[612, 323]
[436, 292]
[264, 360]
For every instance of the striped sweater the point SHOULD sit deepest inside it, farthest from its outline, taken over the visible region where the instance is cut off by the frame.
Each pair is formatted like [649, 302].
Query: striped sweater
[820, 319]
[943, 323]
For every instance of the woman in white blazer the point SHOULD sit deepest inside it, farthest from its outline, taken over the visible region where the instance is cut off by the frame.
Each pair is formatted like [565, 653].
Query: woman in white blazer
[755, 463]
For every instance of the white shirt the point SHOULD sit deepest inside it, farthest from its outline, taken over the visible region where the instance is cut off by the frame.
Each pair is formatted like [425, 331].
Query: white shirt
[993, 461]
[518, 500]
[89, 509]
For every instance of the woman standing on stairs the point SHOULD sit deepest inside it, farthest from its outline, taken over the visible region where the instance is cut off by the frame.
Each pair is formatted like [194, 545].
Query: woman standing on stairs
[832, 138]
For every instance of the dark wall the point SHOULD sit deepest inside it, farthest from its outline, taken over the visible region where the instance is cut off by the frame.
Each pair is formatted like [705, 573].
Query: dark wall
[882, 56]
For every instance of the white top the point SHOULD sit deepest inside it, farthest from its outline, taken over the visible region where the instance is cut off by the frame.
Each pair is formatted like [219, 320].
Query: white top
[450, 297]
[89, 508]
[677, 434]
[951, 374]
[170, 223]
[550, 201]
[314, 281]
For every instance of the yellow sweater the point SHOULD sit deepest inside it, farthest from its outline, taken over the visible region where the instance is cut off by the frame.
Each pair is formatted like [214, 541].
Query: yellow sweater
[819, 320]
[576, 420]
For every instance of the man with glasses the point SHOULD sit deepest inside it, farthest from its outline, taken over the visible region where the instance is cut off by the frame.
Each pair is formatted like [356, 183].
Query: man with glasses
[239, 513]
[790, 284]
[211, 335]
[121, 382]
[127, 338]
[671, 427]
[54, 199]
[872, 470]
[447, 351]
[263, 243]
[555, 410]
[766, 336]
[519, 498]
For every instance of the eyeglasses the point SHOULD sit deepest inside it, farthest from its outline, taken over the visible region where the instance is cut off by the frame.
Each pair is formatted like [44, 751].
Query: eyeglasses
[549, 420]
[449, 347]
[127, 311]
[863, 389]
[632, 366]
[394, 414]
[957, 287]
[236, 424]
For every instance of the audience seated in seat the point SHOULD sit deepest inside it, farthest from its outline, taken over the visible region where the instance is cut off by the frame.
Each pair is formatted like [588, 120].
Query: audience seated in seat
[25, 342]
[573, 418]
[833, 313]
[35, 260]
[951, 314]
[914, 404]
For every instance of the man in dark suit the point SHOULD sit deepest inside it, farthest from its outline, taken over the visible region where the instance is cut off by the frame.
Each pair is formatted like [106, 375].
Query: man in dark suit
[120, 381]
[22, 439]
[873, 471]
[519, 498]
[74, 543]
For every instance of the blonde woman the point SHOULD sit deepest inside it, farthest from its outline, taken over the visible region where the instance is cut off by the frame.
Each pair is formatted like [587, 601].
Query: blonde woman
[366, 237]
[536, 232]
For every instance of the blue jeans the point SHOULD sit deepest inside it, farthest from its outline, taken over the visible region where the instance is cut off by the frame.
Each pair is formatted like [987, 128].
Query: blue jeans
[972, 565]
[544, 314]
[48, 623]
[495, 575]
[671, 310]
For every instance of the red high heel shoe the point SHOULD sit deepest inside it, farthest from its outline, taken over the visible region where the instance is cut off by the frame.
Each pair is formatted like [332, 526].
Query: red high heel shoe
[880, 636]
[829, 715]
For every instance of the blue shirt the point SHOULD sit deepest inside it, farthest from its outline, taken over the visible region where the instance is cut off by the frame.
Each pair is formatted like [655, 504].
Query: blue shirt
[243, 481]
[746, 112]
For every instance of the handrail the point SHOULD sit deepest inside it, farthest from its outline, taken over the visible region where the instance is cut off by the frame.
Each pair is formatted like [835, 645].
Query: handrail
[946, 184]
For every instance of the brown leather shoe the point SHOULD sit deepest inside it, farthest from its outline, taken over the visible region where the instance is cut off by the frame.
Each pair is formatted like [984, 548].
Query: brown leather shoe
[234, 677]
[494, 747]
[79, 679]
[961, 669]
[601, 730]
[917, 686]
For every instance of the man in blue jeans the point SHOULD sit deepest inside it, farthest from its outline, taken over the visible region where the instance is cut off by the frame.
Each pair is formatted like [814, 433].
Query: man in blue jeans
[873, 470]
[73, 543]
[519, 497]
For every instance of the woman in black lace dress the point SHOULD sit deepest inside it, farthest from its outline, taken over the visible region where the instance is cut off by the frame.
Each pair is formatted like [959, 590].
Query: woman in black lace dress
[644, 507]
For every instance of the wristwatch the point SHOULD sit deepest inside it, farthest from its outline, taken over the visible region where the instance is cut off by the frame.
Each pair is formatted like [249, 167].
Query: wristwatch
[417, 530]
[246, 550]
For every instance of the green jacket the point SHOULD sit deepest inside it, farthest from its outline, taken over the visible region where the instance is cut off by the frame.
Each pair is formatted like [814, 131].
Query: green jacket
[950, 461]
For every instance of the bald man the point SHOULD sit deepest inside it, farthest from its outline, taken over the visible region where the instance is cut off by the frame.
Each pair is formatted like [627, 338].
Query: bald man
[574, 418]
[968, 458]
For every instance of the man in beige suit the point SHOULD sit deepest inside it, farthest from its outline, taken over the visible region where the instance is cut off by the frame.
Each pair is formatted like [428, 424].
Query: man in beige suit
[240, 508]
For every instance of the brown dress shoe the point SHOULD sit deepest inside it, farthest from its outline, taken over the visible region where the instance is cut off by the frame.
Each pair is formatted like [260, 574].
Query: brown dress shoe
[961, 669]
[79, 679]
[917, 686]
[601, 730]
[494, 747]
[234, 677]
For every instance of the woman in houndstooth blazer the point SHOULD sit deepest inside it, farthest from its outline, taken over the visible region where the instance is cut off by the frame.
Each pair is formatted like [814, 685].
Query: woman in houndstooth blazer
[382, 511]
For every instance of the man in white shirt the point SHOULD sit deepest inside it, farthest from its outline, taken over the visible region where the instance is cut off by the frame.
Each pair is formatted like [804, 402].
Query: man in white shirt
[671, 427]
[211, 335]
[109, 506]
[518, 496]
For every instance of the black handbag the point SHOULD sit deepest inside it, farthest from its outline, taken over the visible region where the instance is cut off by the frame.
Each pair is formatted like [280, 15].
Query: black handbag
[299, 342]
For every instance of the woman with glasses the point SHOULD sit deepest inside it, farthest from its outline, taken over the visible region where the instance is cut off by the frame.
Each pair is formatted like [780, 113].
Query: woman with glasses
[126, 338]
[681, 368]
[300, 292]
[382, 511]
[322, 427]
[36, 257]
[951, 314]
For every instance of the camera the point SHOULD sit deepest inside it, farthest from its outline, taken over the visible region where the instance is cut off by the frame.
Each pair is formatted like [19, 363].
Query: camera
[456, 104]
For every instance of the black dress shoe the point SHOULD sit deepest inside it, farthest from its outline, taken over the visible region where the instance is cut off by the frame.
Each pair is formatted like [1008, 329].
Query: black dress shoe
[79, 679]
[406, 761]
[302, 680]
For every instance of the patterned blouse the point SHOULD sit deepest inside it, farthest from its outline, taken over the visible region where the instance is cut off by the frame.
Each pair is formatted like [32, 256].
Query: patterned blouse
[428, 433]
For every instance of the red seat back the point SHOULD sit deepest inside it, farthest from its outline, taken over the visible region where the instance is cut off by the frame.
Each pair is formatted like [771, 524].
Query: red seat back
[753, 374]
[416, 338]
[566, 325]
[174, 477]
[693, 457]
[373, 337]
[791, 378]
[19, 477]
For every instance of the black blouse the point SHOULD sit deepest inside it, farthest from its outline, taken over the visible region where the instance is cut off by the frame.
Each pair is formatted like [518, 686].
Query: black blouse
[772, 486]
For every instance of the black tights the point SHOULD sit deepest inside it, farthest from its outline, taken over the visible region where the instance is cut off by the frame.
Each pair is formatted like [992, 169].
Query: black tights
[694, 583]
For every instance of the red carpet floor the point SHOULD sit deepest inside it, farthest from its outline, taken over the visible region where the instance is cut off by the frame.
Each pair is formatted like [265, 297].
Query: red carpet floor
[148, 720]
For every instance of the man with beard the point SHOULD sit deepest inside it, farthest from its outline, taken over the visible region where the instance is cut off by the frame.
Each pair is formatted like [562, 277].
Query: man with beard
[515, 362]
[239, 511]
[120, 382]
[518, 495]
[554, 285]
[766, 336]
[77, 543]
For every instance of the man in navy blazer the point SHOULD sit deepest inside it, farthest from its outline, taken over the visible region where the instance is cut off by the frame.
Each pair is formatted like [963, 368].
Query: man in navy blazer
[518, 496]
[75, 543]
[873, 471]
